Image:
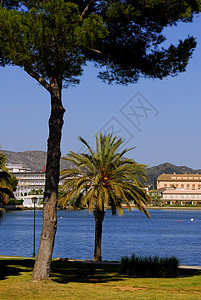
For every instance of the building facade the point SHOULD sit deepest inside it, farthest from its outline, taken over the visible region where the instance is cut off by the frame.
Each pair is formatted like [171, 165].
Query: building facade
[27, 181]
[181, 197]
[180, 189]
[28, 201]
[13, 168]
[179, 181]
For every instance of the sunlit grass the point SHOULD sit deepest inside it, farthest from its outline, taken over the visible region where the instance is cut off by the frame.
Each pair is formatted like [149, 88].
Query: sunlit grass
[78, 280]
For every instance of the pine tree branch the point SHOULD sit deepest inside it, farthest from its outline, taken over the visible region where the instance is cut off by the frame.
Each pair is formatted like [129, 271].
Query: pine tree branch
[95, 50]
[40, 79]
[86, 8]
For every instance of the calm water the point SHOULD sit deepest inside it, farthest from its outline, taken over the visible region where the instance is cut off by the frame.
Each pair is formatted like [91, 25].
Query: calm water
[161, 235]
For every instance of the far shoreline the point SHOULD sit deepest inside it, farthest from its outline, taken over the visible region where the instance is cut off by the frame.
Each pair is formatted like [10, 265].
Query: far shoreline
[21, 208]
[173, 207]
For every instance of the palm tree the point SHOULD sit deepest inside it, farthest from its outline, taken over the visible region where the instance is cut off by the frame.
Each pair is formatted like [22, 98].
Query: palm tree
[6, 190]
[104, 179]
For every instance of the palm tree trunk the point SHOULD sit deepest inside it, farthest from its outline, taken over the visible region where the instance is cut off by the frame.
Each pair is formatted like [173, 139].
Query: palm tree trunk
[42, 264]
[99, 217]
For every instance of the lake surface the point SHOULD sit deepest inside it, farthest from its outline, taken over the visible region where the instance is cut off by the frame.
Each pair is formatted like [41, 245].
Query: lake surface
[167, 233]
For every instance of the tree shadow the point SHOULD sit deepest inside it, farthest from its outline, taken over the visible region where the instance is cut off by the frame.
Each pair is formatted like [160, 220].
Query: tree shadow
[63, 271]
[84, 272]
[74, 271]
[90, 272]
[14, 267]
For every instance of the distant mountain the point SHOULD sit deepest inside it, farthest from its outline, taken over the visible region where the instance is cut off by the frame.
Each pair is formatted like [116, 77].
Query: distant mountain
[35, 160]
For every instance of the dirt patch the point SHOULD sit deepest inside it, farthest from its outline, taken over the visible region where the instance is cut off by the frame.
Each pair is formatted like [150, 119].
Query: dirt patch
[97, 279]
[129, 288]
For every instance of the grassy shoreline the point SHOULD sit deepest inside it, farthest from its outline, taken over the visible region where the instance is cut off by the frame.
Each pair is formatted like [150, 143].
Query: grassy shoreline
[78, 280]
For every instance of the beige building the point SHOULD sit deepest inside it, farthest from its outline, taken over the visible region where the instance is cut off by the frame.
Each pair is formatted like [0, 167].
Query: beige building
[180, 189]
[179, 181]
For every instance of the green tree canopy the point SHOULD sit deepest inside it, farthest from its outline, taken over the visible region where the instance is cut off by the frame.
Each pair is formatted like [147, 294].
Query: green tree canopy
[126, 37]
[53, 39]
[104, 179]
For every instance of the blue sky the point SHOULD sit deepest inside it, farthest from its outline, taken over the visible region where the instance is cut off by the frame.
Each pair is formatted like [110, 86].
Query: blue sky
[167, 130]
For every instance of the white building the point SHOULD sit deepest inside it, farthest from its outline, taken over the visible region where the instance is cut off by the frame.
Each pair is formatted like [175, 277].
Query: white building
[28, 201]
[13, 168]
[28, 181]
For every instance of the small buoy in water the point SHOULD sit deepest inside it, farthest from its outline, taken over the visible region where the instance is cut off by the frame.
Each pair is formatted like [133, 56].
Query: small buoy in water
[61, 217]
[178, 221]
[192, 219]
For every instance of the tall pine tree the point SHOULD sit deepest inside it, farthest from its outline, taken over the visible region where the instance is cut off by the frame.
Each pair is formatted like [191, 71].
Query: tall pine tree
[52, 40]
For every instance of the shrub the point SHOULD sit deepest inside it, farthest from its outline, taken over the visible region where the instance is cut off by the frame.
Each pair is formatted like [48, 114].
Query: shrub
[138, 266]
[15, 202]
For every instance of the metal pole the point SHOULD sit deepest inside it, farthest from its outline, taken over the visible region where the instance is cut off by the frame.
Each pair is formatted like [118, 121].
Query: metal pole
[34, 237]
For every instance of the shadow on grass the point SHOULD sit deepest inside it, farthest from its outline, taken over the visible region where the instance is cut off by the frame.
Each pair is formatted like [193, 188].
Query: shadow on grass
[89, 272]
[85, 272]
[14, 267]
[64, 271]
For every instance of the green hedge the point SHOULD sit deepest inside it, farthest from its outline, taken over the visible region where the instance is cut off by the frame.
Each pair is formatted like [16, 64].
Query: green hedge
[149, 266]
[15, 202]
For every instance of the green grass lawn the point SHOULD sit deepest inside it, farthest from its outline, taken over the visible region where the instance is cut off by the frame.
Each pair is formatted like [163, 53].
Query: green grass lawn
[79, 280]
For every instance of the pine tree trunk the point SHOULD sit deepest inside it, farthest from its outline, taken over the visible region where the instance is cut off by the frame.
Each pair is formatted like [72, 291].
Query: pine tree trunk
[99, 217]
[42, 264]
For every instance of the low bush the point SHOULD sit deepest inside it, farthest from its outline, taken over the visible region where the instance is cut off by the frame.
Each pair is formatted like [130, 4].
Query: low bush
[15, 202]
[136, 266]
